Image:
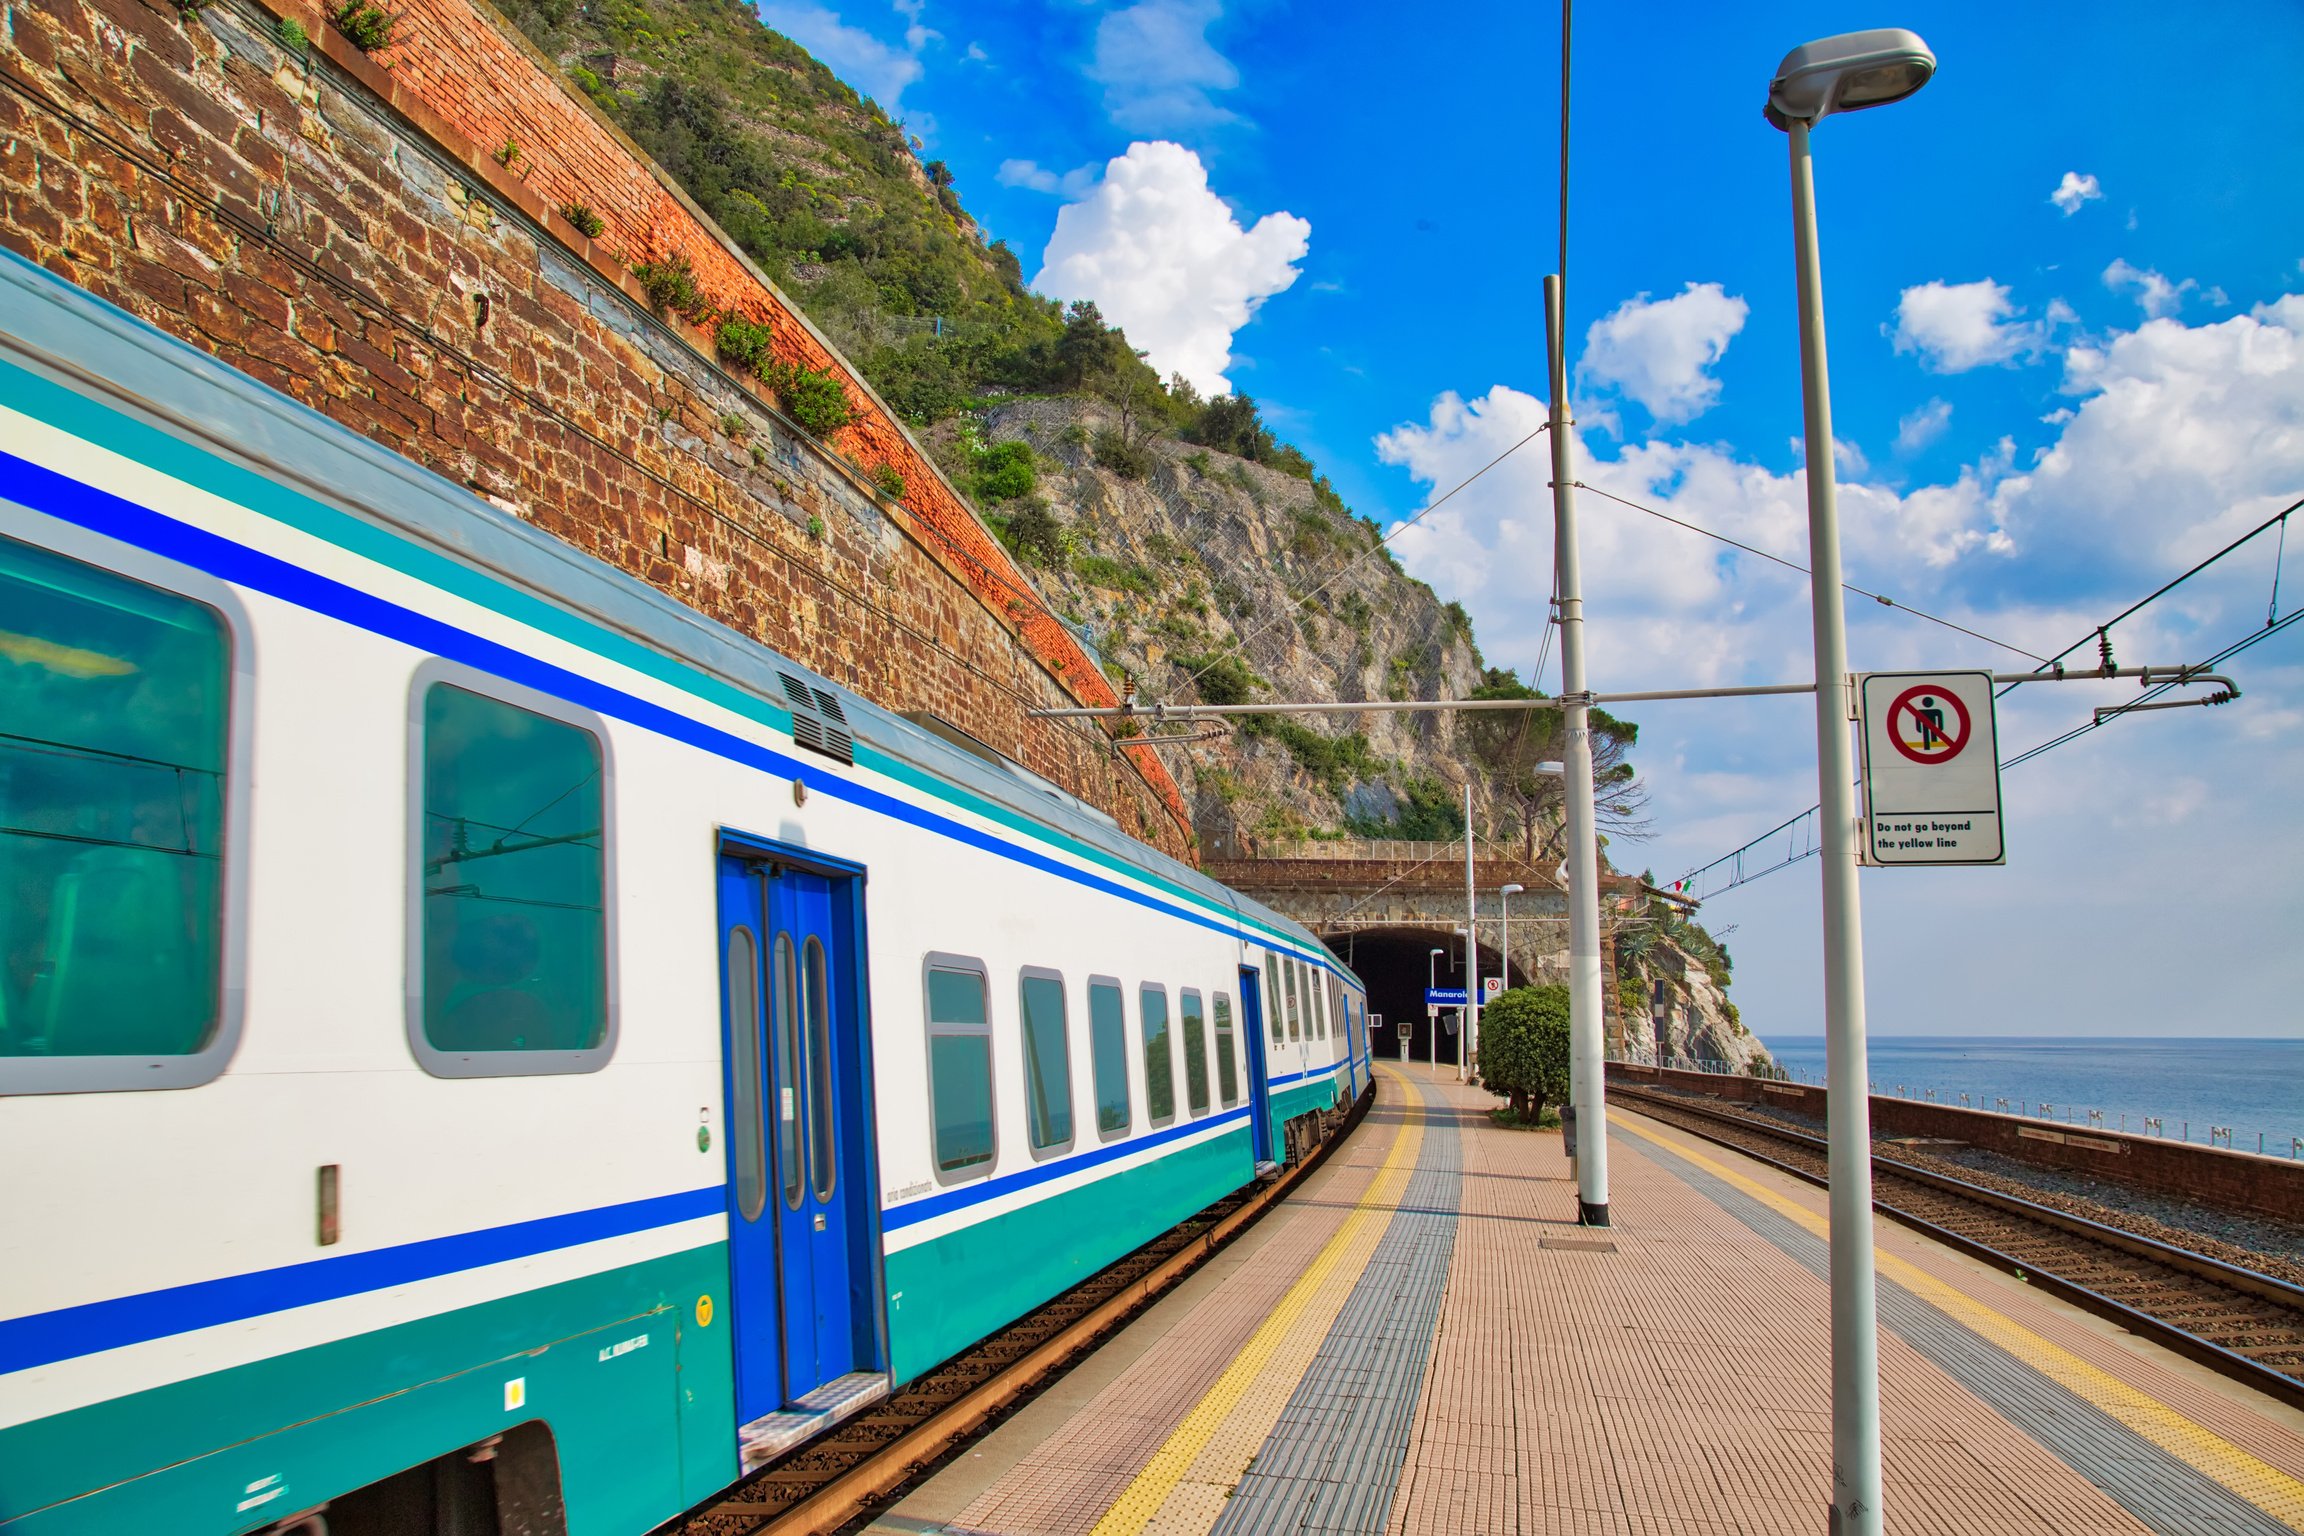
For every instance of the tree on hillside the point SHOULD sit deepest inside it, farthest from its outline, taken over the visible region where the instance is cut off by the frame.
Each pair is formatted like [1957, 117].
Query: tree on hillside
[1524, 1048]
[1511, 743]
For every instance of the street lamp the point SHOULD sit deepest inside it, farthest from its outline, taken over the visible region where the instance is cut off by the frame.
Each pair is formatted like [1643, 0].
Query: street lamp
[1840, 74]
[1504, 925]
[1584, 1121]
[1462, 968]
[1432, 1009]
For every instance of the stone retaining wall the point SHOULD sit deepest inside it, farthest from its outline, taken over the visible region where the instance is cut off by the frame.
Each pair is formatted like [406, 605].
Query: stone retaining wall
[344, 229]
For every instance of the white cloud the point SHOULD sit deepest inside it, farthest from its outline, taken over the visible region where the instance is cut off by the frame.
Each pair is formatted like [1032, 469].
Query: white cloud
[1661, 352]
[1164, 259]
[2156, 294]
[2074, 190]
[1958, 326]
[879, 70]
[2177, 438]
[917, 35]
[1158, 69]
[2181, 433]
[1037, 178]
[1922, 425]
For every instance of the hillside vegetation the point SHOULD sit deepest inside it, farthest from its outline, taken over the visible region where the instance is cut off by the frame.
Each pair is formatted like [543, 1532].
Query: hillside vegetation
[1189, 547]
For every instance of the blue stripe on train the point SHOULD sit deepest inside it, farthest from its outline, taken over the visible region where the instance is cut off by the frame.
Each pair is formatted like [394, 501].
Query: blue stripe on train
[99, 511]
[46, 1337]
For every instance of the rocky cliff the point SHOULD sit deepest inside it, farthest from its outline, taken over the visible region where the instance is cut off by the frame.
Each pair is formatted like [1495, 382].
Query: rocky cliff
[1208, 578]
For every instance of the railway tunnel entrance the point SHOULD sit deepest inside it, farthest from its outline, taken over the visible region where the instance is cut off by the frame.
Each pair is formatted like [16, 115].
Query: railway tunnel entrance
[1394, 964]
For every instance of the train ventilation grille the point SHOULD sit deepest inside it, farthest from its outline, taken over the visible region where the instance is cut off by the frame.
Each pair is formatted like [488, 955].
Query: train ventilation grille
[818, 721]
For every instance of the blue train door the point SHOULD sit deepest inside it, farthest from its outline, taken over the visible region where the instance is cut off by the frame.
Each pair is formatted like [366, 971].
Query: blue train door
[1259, 1084]
[800, 1265]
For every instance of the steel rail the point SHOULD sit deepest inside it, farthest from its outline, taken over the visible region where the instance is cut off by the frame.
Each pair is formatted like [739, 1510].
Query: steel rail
[857, 1490]
[2228, 1361]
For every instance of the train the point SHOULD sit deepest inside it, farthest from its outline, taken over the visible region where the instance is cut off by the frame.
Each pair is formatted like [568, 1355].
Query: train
[486, 1048]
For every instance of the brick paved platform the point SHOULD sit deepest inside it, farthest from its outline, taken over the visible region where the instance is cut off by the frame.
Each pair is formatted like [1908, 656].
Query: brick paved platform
[1421, 1340]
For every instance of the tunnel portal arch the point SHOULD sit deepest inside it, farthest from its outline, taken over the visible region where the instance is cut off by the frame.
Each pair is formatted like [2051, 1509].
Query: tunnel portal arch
[1392, 962]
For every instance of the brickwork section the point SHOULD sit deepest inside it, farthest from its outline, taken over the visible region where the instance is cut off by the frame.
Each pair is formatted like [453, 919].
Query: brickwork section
[334, 230]
[2240, 1180]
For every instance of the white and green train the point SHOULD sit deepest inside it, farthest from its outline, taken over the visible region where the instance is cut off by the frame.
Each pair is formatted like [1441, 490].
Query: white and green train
[486, 1048]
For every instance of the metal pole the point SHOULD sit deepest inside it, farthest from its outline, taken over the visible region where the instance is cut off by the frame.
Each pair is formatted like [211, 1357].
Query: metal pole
[1855, 1322]
[1464, 1057]
[1504, 933]
[1586, 1071]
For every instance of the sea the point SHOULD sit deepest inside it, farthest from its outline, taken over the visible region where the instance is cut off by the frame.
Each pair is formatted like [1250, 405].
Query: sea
[2191, 1086]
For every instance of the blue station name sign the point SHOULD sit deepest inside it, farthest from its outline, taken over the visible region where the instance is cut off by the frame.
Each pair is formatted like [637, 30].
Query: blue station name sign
[1444, 997]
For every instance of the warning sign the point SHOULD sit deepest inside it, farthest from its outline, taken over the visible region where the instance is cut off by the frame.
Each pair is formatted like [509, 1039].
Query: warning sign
[1931, 768]
[1928, 724]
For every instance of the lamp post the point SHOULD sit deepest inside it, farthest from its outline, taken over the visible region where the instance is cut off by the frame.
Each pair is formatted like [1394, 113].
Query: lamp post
[1587, 1076]
[1463, 969]
[1432, 1009]
[1840, 74]
[1467, 1047]
[1504, 925]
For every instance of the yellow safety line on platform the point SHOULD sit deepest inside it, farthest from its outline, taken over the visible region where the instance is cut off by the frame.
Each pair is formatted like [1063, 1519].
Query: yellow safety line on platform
[1263, 1376]
[2261, 1484]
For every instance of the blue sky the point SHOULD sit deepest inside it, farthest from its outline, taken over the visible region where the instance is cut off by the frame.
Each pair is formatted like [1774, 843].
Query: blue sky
[2046, 404]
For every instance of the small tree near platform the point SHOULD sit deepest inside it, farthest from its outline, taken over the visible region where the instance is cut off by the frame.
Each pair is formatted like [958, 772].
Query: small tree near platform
[1524, 1048]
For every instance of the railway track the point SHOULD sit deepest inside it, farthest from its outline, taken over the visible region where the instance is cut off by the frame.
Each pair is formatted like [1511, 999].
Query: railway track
[852, 1470]
[2246, 1325]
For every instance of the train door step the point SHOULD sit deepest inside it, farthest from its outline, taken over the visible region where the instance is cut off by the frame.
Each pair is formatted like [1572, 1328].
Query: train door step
[771, 1435]
[1268, 1170]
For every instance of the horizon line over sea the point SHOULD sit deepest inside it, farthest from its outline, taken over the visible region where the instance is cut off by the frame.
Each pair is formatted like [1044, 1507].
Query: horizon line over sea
[2254, 1086]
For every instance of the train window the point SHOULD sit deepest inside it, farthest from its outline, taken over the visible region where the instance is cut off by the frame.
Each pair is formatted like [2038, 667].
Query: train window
[1317, 983]
[1108, 1050]
[1275, 996]
[1227, 1071]
[1159, 1068]
[512, 886]
[1047, 1061]
[1295, 976]
[1195, 1053]
[745, 1149]
[959, 1065]
[115, 730]
[816, 1015]
[784, 1035]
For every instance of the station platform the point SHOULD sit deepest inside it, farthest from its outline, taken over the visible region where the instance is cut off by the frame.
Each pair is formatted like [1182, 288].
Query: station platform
[1422, 1340]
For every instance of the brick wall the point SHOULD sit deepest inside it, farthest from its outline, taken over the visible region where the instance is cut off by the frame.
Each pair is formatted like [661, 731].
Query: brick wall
[336, 230]
[2239, 1180]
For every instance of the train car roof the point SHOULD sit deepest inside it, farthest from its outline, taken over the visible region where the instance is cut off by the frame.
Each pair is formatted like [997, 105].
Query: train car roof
[93, 347]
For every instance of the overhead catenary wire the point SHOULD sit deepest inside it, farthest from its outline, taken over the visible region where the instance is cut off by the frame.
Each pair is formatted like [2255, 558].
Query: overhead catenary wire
[1885, 602]
[2279, 519]
[2273, 625]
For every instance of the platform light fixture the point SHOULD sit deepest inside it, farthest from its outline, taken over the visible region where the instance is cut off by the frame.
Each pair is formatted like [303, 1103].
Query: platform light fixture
[1840, 74]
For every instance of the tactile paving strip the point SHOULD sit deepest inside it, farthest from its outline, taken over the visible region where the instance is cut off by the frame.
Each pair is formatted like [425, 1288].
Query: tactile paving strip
[2164, 1492]
[1183, 1488]
[1332, 1462]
